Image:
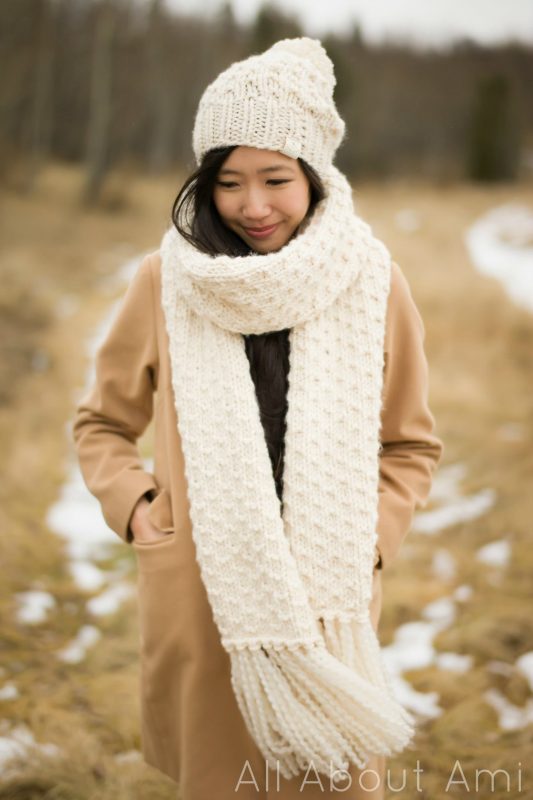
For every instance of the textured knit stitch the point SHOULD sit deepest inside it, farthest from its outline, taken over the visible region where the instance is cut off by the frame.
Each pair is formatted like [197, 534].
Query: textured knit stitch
[290, 592]
[279, 100]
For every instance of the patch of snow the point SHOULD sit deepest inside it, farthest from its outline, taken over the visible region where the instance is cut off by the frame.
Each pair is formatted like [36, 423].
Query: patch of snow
[454, 662]
[9, 692]
[87, 575]
[463, 593]
[440, 612]
[77, 517]
[411, 647]
[524, 663]
[445, 483]
[422, 704]
[452, 506]
[460, 510]
[495, 554]
[510, 717]
[17, 743]
[34, 606]
[500, 245]
[76, 651]
[109, 601]
[443, 565]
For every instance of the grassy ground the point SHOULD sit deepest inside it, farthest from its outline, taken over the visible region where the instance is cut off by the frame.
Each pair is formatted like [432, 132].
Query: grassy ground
[56, 256]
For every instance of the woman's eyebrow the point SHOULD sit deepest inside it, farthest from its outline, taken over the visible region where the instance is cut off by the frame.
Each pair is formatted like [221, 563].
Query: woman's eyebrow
[274, 168]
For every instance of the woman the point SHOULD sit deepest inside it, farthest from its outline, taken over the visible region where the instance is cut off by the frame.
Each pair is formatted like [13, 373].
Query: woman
[293, 441]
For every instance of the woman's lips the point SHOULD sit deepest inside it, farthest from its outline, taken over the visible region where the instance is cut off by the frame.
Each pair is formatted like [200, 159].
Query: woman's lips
[261, 233]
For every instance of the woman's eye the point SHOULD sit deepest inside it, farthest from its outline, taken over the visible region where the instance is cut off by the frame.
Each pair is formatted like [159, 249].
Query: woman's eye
[272, 181]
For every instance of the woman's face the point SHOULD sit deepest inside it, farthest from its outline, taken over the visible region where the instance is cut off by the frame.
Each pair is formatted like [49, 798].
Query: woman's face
[261, 189]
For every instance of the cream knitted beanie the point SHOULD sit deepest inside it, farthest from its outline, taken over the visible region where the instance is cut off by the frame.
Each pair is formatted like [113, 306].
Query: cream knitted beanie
[280, 100]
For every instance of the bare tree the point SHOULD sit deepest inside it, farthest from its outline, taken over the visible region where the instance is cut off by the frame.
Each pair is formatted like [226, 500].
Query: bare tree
[91, 81]
[40, 127]
[160, 92]
[100, 106]
[493, 146]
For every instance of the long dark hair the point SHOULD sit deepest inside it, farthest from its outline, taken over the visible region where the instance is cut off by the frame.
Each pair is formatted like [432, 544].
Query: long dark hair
[196, 218]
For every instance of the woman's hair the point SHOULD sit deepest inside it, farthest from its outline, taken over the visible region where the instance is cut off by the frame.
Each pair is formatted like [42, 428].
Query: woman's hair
[195, 215]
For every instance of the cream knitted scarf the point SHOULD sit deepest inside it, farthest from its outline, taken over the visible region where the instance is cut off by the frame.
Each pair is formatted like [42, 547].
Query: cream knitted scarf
[290, 592]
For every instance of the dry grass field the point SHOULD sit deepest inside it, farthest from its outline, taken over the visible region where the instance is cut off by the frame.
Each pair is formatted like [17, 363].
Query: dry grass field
[56, 262]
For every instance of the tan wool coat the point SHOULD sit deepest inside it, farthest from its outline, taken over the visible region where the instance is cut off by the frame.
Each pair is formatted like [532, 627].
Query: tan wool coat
[191, 726]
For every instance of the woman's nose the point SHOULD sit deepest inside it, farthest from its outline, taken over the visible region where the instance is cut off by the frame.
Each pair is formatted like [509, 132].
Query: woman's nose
[255, 206]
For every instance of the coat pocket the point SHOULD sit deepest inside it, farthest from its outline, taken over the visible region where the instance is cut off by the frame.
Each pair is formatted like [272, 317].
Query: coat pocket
[154, 554]
[160, 512]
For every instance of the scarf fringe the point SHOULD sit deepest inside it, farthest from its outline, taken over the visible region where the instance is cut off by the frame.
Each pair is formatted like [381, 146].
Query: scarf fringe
[317, 706]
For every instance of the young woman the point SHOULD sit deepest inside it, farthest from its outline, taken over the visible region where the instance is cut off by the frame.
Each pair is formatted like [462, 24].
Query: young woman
[293, 441]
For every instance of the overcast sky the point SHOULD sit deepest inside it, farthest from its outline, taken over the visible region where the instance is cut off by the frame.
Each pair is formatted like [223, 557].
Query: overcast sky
[432, 22]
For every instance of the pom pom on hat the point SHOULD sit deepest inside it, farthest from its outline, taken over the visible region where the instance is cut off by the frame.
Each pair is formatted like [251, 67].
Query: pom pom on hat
[279, 100]
[310, 49]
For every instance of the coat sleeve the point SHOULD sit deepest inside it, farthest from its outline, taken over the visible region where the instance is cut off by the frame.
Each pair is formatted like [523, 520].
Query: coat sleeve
[114, 413]
[410, 448]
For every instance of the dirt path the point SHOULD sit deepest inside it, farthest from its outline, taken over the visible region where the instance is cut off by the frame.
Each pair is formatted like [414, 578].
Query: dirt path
[457, 600]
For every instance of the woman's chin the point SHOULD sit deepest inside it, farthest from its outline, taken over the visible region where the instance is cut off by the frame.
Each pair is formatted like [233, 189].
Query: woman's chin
[267, 246]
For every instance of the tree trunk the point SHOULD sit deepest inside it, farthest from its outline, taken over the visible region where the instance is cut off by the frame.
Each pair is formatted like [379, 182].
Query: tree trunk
[40, 127]
[100, 109]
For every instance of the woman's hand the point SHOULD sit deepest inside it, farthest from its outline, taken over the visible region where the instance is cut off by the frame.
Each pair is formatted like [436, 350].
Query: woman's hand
[143, 530]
